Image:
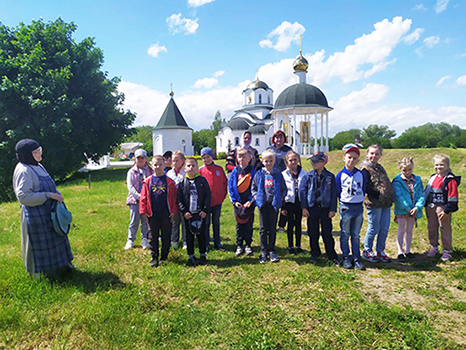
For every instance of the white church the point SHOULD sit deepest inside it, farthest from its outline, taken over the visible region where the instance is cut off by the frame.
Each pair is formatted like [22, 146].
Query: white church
[172, 132]
[301, 111]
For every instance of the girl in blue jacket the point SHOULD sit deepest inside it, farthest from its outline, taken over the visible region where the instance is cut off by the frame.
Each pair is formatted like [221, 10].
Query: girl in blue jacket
[409, 201]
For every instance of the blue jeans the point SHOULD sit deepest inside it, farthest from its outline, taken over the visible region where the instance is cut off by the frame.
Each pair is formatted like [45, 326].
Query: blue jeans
[378, 222]
[351, 218]
[134, 220]
[215, 212]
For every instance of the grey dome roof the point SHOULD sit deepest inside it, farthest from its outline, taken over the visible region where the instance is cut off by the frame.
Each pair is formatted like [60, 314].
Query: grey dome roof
[259, 129]
[238, 124]
[301, 95]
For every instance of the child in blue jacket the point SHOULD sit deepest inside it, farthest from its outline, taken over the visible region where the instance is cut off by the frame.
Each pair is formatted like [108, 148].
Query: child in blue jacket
[268, 190]
[409, 201]
[318, 194]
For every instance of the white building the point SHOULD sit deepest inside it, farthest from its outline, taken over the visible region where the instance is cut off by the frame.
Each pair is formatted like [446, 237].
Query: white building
[301, 111]
[172, 133]
[253, 116]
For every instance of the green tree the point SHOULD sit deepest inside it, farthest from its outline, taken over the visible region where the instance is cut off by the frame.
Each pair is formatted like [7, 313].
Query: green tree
[343, 137]
[429, 136]
[217, 123]
[203, 138]
[142, 134]
[375, 134]
[52, 89]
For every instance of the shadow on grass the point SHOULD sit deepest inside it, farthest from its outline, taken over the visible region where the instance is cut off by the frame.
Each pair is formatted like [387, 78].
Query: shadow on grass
[89, 282]
[111, 175]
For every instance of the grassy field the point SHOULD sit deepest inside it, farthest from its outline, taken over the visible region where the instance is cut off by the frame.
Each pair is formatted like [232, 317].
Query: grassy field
[115, 300]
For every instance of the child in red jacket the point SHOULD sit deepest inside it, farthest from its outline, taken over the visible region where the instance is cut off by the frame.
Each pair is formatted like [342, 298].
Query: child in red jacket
[217, 180]
[158, 205]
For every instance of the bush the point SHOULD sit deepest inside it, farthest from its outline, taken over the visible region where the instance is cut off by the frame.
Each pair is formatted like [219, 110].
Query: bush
[222, 155]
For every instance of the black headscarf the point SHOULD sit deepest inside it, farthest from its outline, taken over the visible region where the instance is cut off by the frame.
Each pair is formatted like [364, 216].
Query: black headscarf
[24, 150]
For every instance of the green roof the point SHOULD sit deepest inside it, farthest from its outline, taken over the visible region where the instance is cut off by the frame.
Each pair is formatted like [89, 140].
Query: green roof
[172, 118]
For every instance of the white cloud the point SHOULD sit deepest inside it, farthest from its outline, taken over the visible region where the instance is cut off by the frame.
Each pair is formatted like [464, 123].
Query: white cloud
[431, 41]
[155, 49]
[442, 79]
[284, 34]
[420, 7]
[205, 83]
[219, 73]
[179, 24]
[414, 36]
[441, 6]
[461, 80]
[197, 3]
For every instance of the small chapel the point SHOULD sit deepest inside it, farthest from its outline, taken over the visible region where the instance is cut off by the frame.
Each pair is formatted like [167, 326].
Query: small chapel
[172, 132]
[301, 111]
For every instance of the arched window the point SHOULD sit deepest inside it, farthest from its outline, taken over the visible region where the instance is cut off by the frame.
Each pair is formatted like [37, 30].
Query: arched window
[236, 141]
[220, 141]
[260, 98]
[257, 141]
[184, 146]
[268, 99]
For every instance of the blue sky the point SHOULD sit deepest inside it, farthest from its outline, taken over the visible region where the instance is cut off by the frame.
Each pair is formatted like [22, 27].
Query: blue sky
[395, 63]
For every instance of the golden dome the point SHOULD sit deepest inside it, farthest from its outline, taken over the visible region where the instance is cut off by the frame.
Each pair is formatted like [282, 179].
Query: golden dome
[257, 84]
[300, 64]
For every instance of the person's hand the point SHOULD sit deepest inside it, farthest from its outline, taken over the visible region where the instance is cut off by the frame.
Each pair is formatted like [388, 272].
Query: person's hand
[442, 216]
[331, 214]
[56, 197]
[305, 213]
[203, 214]
[187, 215]
[247, 204]
[284, 212]
[238, 205]
[144, 216]
[413, 212]
[172, 217]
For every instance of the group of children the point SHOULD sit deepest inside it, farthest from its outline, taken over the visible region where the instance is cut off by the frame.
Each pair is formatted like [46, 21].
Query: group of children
[194, 196]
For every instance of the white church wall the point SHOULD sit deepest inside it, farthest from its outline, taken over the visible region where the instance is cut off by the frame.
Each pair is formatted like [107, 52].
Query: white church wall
[173, 140]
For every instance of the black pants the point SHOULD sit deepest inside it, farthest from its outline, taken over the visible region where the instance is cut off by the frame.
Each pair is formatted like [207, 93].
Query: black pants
[282, 220]
[293, 219]
[268, 227]
[201, 238]
[244, 232]
[320, 215]
[160, 225]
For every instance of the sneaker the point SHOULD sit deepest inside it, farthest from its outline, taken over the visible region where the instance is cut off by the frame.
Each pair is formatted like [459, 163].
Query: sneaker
[145, 244]
[220, 248]
[432, 253]
[313, 259]
[263, 258]
[154, 262]
[401, 258]
[161, 262]
[129, 245]
[185, 246]
[291, 250]
[335, 262]
[273, 257]
[369, 255]
[248, 250]
[383, 257]
[358, 265]
[299, 250]
[202, 260]
[347, 263]
[193, 261]
[239, 250]
[281, 229]
[445, 256]
[410, 256]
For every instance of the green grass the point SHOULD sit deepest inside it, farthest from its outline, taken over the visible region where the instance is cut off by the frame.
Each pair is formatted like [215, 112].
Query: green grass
[116, 301]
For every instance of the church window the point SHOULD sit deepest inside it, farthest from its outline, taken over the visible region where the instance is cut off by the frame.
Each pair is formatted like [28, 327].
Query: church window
[236, 141]
[268, 99]
[257, 141]
[220, 142]
[184, 145]
[260, 98]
